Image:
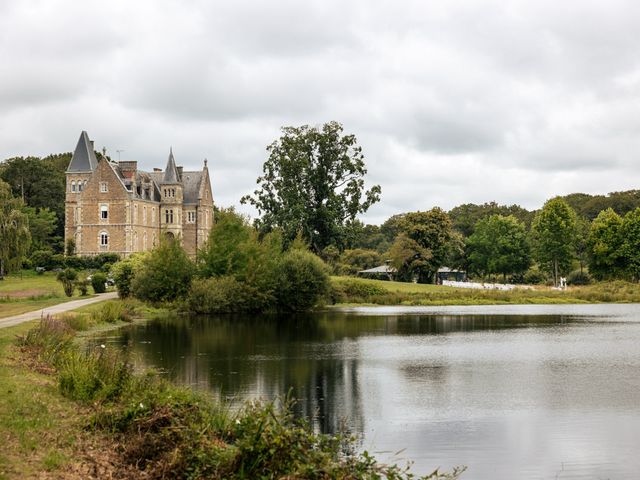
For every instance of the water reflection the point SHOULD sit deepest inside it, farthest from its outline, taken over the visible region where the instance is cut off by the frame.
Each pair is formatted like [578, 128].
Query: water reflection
[510, 394]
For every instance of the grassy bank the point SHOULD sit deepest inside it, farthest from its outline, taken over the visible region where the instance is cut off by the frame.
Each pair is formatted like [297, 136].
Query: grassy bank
[27, 291]
[349, 290]
[88, 415]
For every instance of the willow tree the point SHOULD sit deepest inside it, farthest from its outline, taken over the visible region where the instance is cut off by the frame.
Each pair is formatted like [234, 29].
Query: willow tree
[313, 184]
[14, 231]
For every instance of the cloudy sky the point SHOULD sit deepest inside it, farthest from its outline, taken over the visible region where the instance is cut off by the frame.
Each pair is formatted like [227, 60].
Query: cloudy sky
[453, 101]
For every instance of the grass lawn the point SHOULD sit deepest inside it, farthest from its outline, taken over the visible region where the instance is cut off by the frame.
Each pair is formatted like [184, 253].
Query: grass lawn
[27, 291]
[350, 290]
[38, 427]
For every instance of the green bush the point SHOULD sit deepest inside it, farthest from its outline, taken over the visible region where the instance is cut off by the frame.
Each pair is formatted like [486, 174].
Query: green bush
[82, 286]
[225, 295]
[164, 275]
[99, 282]
[67, 277]
[578, 277]
[79, 263]
[43, 259]
[122, 273]
[534, 276]
[301, 281]
[50, 337]
[111, 312]
[97, 375]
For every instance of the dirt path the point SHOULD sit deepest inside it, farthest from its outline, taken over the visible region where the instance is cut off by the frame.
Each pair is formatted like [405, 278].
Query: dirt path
[61, 307]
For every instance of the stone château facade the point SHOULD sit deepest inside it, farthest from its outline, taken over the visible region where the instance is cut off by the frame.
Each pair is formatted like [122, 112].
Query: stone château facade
[114, 207]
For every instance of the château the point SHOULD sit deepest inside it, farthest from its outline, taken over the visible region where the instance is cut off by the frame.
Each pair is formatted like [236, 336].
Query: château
[114, 207]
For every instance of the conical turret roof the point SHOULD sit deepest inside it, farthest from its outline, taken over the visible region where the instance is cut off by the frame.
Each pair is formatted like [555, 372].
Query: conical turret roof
[171, 172]
[84, 158]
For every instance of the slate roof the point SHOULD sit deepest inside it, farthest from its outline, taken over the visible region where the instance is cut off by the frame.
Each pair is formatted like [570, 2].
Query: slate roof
[84, 158]
[190, 184]
[171, 172]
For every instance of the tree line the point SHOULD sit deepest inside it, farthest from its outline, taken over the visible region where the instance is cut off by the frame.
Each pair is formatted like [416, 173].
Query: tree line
[313, 187]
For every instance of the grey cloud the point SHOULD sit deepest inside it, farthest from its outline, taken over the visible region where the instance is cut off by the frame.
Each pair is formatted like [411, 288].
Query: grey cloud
[452, 101]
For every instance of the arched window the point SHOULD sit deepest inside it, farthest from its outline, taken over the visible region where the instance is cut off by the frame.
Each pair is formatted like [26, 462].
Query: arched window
[144, 241]
[104, 239]
[80, 185]
[168, 216]
[73, 185]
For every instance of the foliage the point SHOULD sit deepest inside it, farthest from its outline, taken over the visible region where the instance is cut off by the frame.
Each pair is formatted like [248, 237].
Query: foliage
[554, 233]
[578, 277]
[313, 183]
[301, 281]
[226, 294]
[423, 246]
[70, 247]
[465, 217]
[99, 282]
[534, 276]
[499, 245]
[42, 226]
[67, 277]
[111, 312]
[352, 261]
[39, 182]
[14, 231]
[164, 274]
[630, 230]
[604, 245]
[83, 286]
[123, 273]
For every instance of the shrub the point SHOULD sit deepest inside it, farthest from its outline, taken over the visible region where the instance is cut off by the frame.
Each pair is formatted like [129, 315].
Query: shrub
[50, 337]
[67, 277]
[122, 273]
[301, 281]
[352, 261]
[111, 312]
[99, 282]
[97, 375]
[79, 263]
[164, 275]
[82, 286]
[534, 276]
[42, 259]
[578, 277]
[70, 247]
[77, 322]
[226, 295]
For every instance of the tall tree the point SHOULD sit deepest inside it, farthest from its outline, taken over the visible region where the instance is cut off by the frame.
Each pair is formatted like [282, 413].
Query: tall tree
[423, 246]
[14, 231]
[554, 233]
[313, 183]
[630, 230]
[604, 245]
[499, 245]
[42, 226]
[40, 183]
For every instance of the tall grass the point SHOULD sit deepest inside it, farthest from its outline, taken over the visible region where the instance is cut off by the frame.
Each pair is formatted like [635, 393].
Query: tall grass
[111, 312]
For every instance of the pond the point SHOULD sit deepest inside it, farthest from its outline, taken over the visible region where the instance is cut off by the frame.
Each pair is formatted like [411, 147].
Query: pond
[525, 392]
